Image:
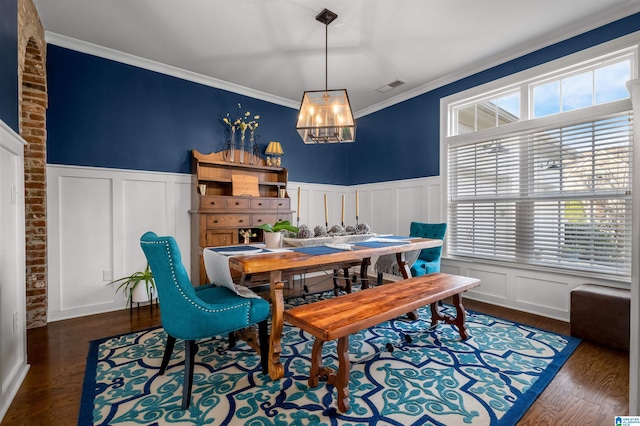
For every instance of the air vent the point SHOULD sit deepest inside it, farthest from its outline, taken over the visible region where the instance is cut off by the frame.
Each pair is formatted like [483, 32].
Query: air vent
[390, 86]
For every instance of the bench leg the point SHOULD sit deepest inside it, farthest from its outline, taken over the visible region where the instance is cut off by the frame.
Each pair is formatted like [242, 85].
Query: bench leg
[339, 379]
[318, 371]
[458, 321]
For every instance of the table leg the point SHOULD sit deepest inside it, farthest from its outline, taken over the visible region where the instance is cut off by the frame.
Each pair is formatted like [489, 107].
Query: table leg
[245, 280]
[402, 266]
[276, 369]
[347, 280]
[364, 275]
[406, 273]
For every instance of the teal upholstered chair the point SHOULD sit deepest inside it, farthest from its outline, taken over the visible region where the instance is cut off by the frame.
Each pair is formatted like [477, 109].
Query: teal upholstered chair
[429, 259]
[196, 313]
[420, 262]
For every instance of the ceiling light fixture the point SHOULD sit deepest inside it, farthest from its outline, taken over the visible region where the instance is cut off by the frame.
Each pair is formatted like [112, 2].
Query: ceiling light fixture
[325, 115]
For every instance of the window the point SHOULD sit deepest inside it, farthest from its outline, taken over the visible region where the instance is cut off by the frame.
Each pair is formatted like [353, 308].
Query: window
[487, 113]
[598, 85]
[545, 182]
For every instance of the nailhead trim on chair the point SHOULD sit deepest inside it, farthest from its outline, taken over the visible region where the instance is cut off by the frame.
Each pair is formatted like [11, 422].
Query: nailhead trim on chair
[245, 305]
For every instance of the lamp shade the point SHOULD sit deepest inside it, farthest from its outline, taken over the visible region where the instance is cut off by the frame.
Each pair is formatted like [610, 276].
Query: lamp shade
[325, 117]
[274, 148]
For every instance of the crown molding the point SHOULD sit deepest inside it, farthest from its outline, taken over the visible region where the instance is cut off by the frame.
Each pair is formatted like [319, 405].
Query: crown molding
[136, 61]
[550, 39]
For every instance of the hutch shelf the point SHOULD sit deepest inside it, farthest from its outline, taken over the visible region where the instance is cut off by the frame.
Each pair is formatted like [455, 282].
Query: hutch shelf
[229, 197]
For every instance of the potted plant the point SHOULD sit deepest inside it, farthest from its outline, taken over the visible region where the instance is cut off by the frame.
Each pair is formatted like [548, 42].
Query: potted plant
[137, 287]
[273, 234]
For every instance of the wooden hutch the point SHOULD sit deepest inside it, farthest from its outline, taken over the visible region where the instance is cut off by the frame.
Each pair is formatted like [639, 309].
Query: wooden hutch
[230, 196]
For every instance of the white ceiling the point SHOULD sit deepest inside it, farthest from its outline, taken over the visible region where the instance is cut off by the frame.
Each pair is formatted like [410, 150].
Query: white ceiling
[277, 48]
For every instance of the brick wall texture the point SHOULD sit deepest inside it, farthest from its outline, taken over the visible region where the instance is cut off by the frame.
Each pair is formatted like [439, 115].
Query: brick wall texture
[32, 79]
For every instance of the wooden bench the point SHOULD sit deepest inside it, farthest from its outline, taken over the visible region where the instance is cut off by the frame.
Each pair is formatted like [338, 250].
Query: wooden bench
[339, 317]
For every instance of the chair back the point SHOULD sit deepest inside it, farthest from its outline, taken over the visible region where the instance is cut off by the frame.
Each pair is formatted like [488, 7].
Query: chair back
[429, 230]
[175, 292]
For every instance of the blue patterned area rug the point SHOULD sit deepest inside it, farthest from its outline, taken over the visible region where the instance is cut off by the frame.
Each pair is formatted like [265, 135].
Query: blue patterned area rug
[490, 379]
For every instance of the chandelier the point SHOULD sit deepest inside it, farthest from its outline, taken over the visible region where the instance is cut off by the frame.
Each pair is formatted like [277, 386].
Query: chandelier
[325, 115]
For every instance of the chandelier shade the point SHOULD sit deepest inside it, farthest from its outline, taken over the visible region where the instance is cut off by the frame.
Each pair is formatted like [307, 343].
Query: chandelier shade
[325, 115]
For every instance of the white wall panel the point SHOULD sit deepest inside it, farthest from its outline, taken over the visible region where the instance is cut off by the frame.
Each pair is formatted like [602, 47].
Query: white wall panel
[179, 218]
[312, 204]
[85, 241]
[145, 204]
[96, 217]
[160, 202]
[494, 284]
[543, 293]
[533, 290]
[383, 211]
[410, 203]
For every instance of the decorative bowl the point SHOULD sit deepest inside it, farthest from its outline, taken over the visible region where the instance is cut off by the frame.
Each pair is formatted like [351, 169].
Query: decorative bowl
[318, 241]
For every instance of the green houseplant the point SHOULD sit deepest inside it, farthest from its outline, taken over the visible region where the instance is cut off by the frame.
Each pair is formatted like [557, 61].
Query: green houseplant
[140, 280]
[272, 234]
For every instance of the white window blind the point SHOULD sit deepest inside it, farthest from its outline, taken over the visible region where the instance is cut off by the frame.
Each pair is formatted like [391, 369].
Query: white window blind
[557, 196]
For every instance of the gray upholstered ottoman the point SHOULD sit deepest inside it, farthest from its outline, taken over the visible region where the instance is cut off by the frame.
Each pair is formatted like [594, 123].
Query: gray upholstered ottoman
[600, 314]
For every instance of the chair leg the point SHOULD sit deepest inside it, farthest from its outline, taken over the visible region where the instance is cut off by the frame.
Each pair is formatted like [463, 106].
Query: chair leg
[168, 350]
[263, 335]
[379, 278]
[191, 348]
[232, 339]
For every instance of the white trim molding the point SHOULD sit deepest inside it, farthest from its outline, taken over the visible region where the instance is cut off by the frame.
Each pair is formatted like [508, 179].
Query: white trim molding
[13, 318]
[634, 352]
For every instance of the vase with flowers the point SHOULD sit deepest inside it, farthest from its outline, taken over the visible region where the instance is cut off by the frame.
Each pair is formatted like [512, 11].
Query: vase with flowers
[246, 234]
[254, 150]
[240, 124]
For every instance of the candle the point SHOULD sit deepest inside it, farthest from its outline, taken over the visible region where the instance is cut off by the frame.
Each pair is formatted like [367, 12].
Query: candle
[299, 201]
[342, 221]
[357, 207]
[326, 211]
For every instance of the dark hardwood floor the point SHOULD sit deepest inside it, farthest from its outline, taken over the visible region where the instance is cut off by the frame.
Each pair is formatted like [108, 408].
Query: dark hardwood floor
[590, 389]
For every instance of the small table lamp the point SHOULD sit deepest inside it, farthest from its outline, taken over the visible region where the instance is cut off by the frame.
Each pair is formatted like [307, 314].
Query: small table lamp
[274, 149]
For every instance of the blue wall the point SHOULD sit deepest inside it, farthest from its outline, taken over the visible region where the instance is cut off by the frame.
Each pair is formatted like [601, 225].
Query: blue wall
[403, 141]
[107, 114]
[104, 113]
[9, 63]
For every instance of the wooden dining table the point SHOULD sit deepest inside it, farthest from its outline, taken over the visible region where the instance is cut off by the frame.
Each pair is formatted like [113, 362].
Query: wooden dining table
[305, 259]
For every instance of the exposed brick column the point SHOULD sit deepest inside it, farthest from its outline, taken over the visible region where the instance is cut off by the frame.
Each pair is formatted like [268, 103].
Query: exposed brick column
[33, 108]
[33, 130]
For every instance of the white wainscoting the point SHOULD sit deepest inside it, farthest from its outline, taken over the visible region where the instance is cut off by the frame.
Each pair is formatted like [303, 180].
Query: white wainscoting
[95, 219]
[545, 293]
[13, 328]
[388, 208]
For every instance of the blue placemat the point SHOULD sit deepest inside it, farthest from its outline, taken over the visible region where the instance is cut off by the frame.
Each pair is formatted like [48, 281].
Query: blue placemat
[316, 250]
[378, 244]
[230, 250]
[396, 237]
